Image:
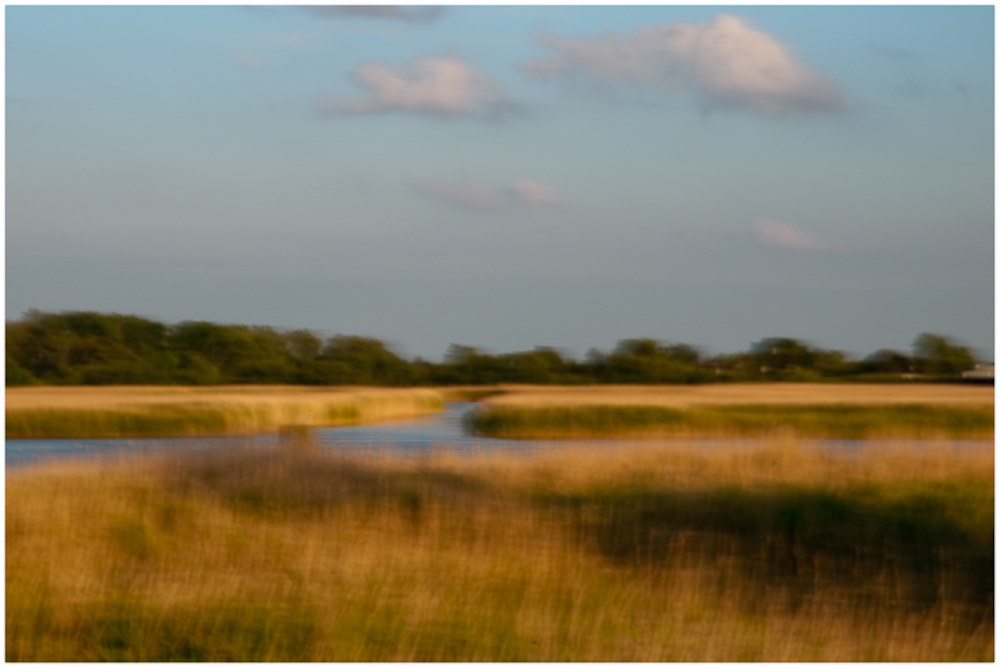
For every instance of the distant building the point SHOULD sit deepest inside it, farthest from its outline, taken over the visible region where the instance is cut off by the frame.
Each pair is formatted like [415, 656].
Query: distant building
[982, 372]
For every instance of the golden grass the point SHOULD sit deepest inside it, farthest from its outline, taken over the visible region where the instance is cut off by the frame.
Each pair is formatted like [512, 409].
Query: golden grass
[808, 410]
[687, 396]
[824, 421]
[109, 412]
[309, 556]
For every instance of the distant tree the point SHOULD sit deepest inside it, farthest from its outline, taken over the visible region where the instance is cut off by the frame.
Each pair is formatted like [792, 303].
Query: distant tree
[542, 365]
[221, 346]
[85, 347]
[940, 355]
[780, 354]
[648, 361]
[683, 352]
[886, 361]
[16, 375]
[466, 365]
[302, 344]
[367, 361]
[637, 348]
[61, 348]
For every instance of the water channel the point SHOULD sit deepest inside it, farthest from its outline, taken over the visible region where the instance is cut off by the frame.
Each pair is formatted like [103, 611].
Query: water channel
[411, 436]
[441, 430]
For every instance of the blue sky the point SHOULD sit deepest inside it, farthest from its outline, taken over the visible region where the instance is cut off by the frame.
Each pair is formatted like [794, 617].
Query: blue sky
[506, 177]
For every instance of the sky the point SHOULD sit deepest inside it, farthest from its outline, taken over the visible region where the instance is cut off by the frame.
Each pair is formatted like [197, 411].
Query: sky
[509, 177]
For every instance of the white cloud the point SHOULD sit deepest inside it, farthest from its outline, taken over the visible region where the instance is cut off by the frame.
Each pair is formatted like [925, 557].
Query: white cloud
[774, 233]
[724, 61]
[441, 86]
[523, 192]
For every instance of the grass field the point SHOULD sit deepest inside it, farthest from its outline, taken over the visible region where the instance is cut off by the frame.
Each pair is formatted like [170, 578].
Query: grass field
[688, 396]
[117, 412]
[776, 551]
[804, 410]
[738, 421]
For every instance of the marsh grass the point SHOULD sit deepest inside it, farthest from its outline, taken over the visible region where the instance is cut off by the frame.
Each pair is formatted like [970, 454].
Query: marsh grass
[654, 552]
[742, 421]
[98, 413]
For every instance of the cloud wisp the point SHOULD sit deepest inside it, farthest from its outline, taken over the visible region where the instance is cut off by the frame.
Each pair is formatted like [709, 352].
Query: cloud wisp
[782, 235]
[522, 192]
[725, 62]
[425, 14]
[439, 86]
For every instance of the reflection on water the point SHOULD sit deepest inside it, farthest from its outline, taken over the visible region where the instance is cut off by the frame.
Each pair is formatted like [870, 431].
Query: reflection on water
[442, 430]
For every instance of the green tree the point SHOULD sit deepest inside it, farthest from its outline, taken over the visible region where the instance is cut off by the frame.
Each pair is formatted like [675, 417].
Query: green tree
[940, 355]
[367, 361]
[886, 361]
[16, 375]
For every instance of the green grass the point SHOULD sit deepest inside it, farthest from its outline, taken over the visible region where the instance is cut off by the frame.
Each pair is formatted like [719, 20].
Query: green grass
[816, 421]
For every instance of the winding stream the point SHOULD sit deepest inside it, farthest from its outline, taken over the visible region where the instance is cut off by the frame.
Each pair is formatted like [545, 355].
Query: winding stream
[441, 430]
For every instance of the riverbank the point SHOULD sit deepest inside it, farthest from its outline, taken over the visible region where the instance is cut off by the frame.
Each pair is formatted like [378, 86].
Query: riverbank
[802, 410]
[656, 552]
[136, 412]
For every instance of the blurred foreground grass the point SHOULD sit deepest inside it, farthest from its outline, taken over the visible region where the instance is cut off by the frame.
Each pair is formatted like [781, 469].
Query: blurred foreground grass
[654, 552]
[840, 421]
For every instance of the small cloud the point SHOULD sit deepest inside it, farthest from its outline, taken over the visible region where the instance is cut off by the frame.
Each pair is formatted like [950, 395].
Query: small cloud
[532, 193]
[725, 62]
[425, 14]
[441, 86]
[783, 235]
[523, 192]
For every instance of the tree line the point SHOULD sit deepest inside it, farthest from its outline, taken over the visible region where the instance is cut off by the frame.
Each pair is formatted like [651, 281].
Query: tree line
[89, 348]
